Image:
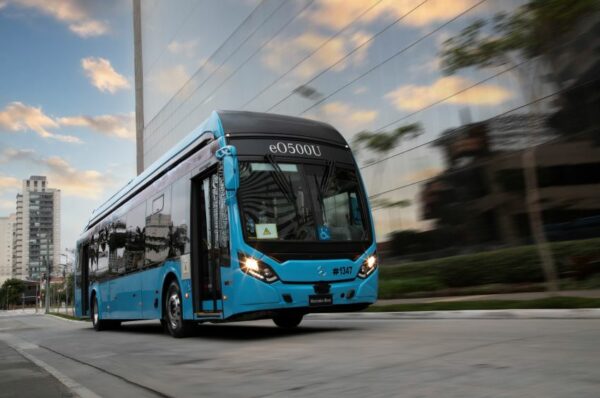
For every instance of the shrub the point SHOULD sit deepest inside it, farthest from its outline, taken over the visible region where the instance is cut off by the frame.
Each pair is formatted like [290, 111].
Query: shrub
[393, 288]
[512, 265]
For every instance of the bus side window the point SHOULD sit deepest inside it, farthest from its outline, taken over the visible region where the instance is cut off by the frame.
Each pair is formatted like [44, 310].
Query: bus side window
[180, 215]
[102, 252]
[158, 228]
[116, 243]
[92, 258]
[134, 243]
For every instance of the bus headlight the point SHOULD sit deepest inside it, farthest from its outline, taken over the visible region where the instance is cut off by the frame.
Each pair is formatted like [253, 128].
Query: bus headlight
[258, 269]
[368, 266]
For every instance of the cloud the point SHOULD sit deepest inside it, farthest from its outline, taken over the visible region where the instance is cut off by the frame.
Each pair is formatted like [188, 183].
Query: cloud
[75, 14]
[345, 111]
[169, 80]
[277, 53]
[421, 174]
[7, 182]
[89, 28]
[347, 118]
[89, 184]
[16, 117]
[120, 126]
[413, 97]
[336, 14]
[103, 76]
[11, 154]
[6, 204]
[187, 48]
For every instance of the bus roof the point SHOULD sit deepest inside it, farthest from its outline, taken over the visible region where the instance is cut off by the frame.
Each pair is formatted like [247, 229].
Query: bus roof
[241, 123]
[232, 123]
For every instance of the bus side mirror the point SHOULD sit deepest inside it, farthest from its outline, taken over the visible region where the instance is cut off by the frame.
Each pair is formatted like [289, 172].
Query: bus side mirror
[227, 155]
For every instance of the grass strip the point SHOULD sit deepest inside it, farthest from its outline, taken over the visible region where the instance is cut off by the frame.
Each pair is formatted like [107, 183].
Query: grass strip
[70, 317]
[544, 303]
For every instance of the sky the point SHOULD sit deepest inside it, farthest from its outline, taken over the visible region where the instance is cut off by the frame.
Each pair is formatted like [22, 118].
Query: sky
[67, 83]
[66, 102]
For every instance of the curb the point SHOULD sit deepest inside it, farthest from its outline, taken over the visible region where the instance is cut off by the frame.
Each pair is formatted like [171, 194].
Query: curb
[580, 313]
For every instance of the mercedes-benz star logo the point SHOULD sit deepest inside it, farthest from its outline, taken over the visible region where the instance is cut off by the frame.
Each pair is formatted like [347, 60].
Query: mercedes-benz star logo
[321, 271]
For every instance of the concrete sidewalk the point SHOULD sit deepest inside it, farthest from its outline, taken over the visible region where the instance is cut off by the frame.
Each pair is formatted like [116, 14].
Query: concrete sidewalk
[505, 296]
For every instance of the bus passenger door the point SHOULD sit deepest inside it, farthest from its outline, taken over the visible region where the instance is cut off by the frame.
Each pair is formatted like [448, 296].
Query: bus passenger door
[206, 251]
[82, 281]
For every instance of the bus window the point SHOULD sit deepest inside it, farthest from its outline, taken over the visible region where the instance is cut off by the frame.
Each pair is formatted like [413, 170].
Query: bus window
[158, 228]
[134, 246]
[180, 238]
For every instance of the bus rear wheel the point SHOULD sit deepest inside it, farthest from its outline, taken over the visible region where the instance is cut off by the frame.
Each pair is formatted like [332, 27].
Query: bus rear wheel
[173, 312]
[288, 320]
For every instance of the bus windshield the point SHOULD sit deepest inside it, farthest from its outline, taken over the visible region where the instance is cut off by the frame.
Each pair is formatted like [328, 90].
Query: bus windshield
[301, 202]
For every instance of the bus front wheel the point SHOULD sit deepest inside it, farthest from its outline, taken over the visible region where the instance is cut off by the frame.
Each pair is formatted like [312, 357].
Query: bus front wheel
[288, 320]
[101, 324]
[173, 312]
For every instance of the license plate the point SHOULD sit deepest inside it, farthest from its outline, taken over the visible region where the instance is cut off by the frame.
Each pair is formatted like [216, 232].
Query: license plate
[321, 299]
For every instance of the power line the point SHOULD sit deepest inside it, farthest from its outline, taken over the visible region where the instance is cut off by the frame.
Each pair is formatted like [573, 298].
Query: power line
[212, 56]
[491, 160]
[430, 106]
[187, 17]
[394, 55]
[350, 53]
[244, 63]
[518, 65]
[312, 53]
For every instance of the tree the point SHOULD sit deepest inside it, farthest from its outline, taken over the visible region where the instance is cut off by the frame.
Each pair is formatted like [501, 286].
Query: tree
[382, 143]
[525, 40]
[11, 292]
[528, 33]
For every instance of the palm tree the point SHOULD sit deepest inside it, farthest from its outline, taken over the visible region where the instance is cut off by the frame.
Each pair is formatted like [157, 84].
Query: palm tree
[383, 142]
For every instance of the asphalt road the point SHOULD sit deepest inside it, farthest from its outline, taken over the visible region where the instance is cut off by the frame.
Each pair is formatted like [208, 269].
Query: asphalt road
[326, 357]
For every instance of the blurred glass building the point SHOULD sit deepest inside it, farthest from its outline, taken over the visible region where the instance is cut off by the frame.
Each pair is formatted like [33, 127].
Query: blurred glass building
[487, 90]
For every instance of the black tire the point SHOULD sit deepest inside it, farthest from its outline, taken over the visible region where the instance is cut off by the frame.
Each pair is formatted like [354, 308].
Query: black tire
[97, 323]
[288, 320]
[173, 312]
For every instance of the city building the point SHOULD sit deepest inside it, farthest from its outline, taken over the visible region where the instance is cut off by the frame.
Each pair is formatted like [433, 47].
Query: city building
[7, 230]
[377, 67]
[37, 231]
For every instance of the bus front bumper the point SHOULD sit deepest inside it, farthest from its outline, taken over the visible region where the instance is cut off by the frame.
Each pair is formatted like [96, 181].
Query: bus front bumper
[254, 295]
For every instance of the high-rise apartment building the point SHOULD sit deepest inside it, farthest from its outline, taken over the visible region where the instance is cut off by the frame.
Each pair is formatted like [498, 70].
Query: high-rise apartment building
[7, 229]
[37, 232]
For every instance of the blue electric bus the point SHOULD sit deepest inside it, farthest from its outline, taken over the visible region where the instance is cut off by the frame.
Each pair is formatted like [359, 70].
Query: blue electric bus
[250, 216]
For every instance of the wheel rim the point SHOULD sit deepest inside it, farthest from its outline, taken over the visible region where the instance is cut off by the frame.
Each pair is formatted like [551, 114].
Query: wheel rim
[95, 312]
[174, 310]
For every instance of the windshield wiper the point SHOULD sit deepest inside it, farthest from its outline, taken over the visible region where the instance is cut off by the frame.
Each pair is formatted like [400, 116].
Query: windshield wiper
[327, 176]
